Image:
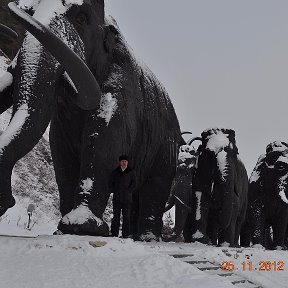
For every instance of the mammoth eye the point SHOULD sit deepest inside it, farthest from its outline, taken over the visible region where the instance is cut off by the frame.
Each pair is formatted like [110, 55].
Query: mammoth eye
[82, 19]
[279, 165]
[271, 159]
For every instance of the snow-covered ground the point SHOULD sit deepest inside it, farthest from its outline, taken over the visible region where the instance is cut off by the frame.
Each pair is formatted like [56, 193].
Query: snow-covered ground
[86, 261]
[256, 271]
[74, 261]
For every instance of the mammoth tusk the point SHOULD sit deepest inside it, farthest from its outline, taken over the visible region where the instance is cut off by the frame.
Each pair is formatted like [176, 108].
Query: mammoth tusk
[183, 204]
[89, 93]
[186, 132]
[8, 32]
[190, 141]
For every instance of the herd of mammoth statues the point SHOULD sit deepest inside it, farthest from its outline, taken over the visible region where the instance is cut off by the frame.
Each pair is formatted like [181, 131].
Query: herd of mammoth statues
[75, 71]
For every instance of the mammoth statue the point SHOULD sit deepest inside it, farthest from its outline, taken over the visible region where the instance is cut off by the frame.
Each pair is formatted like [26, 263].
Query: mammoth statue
[76, 70]
[267, 198]
[219, 190]
[181, 190]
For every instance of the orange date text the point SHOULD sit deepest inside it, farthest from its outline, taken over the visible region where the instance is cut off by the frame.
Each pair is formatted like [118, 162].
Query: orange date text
[253, 266]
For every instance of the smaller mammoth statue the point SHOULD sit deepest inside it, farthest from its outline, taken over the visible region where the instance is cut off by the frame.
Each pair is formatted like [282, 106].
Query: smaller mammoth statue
[181, 190]
[267, 198]
[220, 189]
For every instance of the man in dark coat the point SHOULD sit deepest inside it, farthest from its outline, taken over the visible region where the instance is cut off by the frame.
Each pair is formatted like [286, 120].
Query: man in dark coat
[122, 184]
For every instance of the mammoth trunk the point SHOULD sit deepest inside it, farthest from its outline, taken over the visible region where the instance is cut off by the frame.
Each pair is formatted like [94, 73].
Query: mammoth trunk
[32, 107]
[224, 190]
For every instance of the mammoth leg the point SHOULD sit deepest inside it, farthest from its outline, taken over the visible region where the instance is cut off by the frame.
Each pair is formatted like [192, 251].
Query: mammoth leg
[213, 232]
[257, 222]
[238, 226]
[153, 196]
[268, 239]
[279, 227]
[245, 234]
[229, 233]
[91, 194]
[135, 214]
[202, 217]
[188, 228]
[180, 219]
[66, 164]
[152, 202]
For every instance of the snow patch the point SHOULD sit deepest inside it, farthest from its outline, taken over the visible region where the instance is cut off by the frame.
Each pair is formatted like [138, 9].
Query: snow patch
[69, 80]
[108, 106]
[6, 79]
[81, 215]
[283, 196]
[3, 65]
[217, 142]
[46, 10]
[32, 50]
[86, 186]
[28, 4]
[198, 235]
[222, 164]
[225, 244]
[198, 210]
[14, 127]
[282, 159]
[254, 176]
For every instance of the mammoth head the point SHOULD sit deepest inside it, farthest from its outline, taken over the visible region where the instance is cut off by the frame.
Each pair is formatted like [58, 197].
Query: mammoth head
[271, 170]
[218, 139]
[217, 152]
[187, 156]
[77, 34]
[218, 144]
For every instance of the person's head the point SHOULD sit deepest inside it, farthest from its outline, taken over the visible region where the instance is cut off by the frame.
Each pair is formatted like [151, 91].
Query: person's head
[123, 161]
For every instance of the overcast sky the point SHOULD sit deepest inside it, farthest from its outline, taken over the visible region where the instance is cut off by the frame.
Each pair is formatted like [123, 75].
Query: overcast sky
[223, 63]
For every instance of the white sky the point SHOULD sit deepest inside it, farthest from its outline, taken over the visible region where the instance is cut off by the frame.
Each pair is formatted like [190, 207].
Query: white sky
[223, 63]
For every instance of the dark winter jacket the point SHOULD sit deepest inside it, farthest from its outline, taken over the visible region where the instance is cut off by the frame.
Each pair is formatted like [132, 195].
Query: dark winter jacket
[122, 184]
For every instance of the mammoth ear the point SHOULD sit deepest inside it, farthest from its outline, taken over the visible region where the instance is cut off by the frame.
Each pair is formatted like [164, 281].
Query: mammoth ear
[232, 148]
[111, 36]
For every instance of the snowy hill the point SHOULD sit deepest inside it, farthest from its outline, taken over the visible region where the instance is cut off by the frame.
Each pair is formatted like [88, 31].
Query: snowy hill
[33, 182]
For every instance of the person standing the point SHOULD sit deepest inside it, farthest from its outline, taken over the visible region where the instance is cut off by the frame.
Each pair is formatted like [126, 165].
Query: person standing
[122, 184]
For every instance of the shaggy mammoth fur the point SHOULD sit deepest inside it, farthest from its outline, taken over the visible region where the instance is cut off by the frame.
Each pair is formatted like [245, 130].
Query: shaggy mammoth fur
[81, 75]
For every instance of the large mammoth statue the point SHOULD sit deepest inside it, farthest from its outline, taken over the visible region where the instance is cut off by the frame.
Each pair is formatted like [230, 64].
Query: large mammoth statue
[219, 190]
[267, 198]
[76, 70]
[181, 191]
